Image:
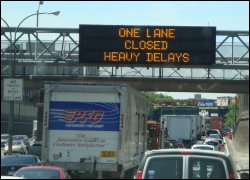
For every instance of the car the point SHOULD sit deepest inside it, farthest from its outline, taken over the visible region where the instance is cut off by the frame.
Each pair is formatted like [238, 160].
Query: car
[222, 144]
[42, 172]
[214, 131]
[168, 145]
[216, 136]
[185, 164]
[17, 147]
[174, 142]
[225, 130]
[11, 163]
[213, 142]
[4, 139]
[203, 146]
[24, 138]
[35, 149]
[200, 142]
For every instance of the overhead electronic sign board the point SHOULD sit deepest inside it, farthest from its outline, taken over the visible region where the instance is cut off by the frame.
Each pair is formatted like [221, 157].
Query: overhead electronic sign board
[146, 45]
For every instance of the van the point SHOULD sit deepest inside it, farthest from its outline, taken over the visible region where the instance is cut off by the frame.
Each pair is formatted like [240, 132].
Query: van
[185, 164]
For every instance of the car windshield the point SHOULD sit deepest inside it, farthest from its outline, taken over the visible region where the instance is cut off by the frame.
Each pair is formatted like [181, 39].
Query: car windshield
[17, 160]
[164, 168]
[4, 137]
[18, 137]
[213, 143]
[206, 169]
[37, 173]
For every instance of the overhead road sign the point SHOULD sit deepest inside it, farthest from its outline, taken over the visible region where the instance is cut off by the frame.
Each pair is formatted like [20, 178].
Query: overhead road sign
[146, 45]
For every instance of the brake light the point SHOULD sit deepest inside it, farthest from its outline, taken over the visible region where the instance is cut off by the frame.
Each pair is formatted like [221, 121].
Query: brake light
[186, 152]
[138, 175]
[231, 176]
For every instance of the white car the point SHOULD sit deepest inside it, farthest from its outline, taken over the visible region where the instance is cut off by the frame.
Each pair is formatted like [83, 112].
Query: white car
[203, 146]
[4, 139]
[214, 142]
[17, 147]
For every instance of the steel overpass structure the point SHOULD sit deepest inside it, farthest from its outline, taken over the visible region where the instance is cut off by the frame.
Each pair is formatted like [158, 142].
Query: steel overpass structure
[56, 58]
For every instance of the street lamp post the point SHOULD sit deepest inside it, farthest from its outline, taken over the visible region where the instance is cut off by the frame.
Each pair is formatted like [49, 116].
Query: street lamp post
[12, 75]
[37, 22]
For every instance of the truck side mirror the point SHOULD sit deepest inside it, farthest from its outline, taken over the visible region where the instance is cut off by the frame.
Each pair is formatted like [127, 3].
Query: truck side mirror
[244, 175]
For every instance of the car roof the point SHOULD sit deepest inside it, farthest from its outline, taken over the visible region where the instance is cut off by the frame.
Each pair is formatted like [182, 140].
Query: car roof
[201, 145]
[43, 167]
[211, 139]
[19, 155]
[20, 135]
[186, 152]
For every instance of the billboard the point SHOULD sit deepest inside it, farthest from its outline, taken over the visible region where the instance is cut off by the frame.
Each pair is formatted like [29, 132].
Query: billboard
[146, 45]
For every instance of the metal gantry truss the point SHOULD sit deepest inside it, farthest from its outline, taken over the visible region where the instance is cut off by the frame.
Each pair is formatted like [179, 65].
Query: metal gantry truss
[57, 55]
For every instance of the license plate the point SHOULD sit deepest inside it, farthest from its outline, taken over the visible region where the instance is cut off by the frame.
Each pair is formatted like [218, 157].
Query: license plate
[108, 153]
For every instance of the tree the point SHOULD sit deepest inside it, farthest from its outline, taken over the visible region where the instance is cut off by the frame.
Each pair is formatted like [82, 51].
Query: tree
[152, 97]
[232, 114]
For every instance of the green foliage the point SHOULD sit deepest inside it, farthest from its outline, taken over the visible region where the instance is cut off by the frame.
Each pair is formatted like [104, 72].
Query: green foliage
[232, 115]
[152, 97]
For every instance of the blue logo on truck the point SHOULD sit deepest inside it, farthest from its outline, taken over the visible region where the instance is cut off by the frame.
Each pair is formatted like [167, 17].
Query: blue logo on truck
[84, 116]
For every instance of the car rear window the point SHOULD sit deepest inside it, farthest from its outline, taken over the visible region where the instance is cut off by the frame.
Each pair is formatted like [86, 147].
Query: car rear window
[39, 174]
[203, 147]
[17, 160]
[213, 143]
[164, 168]
[204, 168]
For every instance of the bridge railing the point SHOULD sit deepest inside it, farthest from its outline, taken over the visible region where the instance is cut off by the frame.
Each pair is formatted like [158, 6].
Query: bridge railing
[57, 54]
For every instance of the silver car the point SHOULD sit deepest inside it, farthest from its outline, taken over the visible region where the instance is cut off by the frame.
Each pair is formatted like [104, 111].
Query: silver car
[17, 147]
[213, 142]
[203, 146]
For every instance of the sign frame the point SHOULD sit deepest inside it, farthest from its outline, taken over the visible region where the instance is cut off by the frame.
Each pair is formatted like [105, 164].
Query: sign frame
[96, 40]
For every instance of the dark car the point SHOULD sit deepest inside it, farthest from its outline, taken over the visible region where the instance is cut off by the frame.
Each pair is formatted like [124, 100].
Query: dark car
[174, 142]
[42, 172]
[11, 163]
[185, 164]
[35, 149]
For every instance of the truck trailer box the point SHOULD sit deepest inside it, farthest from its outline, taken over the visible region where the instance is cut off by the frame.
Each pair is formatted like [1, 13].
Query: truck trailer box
[181, 127]
[94, 127]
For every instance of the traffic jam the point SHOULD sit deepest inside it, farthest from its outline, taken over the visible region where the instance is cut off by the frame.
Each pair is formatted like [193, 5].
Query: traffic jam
[113, 138]
[84, 99]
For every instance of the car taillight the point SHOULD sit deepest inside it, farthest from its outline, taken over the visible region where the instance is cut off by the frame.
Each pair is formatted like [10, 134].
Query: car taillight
[186, 152]
[231, 176]
[138, 175]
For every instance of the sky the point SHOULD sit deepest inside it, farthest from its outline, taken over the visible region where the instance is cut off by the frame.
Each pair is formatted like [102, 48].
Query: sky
[225, 15]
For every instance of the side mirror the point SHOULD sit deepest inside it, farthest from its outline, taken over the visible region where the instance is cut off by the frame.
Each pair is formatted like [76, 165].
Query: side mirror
[244, 175]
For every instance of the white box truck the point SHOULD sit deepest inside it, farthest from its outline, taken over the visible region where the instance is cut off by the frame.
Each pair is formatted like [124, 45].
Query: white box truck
[97, 128]
[182, 128]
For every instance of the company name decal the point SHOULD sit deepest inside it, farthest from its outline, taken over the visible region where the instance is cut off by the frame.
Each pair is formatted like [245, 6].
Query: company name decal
[84, 116]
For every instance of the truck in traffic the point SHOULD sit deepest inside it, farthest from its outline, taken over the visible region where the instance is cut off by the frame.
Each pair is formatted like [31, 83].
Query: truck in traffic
[216, 123]
[94, 128]
[182, 128]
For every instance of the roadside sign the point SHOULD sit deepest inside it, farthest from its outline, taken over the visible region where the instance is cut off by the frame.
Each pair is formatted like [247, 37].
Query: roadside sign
[13, 89]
